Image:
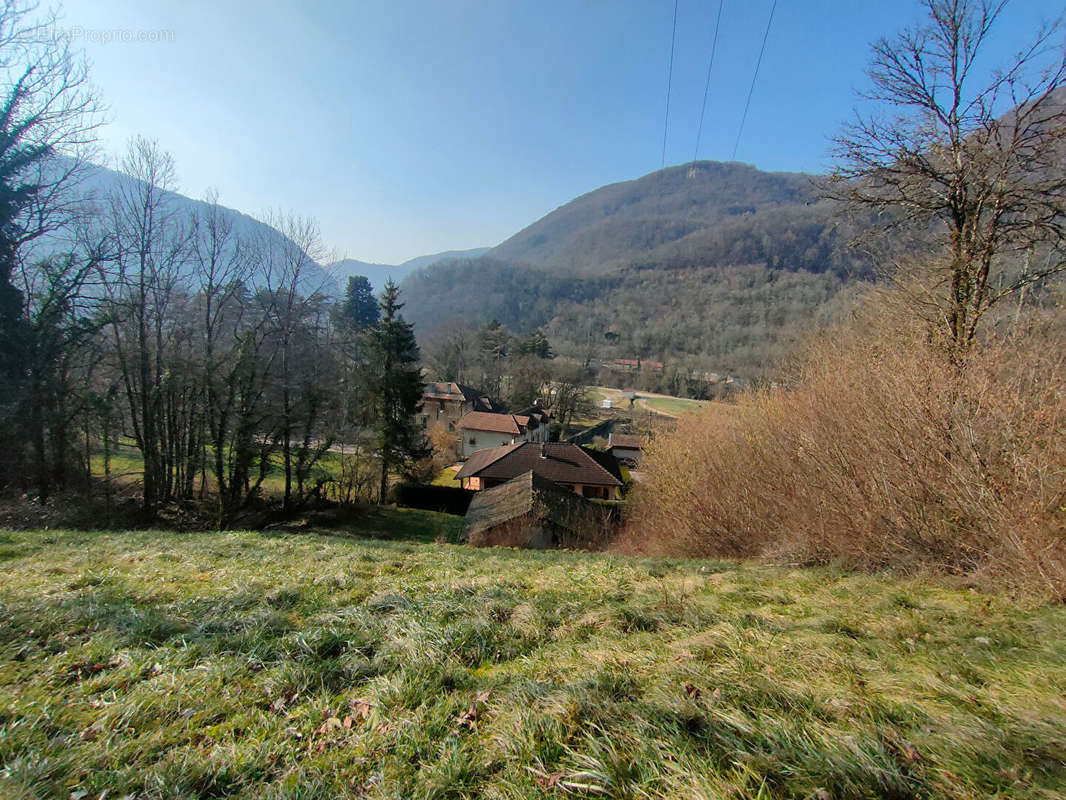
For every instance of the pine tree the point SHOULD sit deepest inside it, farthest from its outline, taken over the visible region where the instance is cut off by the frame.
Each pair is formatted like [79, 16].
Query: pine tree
[397, 387]
[359, 311]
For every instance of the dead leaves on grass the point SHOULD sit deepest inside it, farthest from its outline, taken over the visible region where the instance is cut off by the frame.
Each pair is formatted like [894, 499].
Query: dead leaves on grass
[469, 718]
[573, 782]
[335, 728]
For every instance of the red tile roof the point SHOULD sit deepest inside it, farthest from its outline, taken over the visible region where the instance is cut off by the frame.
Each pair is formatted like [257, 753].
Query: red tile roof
[496, 423]
[450, 390]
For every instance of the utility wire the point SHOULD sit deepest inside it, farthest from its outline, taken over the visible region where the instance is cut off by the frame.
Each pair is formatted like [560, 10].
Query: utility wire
[707, 85]
[669, 81]
[754, 78]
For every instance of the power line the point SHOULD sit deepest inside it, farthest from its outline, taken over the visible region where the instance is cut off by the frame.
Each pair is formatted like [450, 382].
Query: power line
[707, 85]
[669, 81]
[754, 78]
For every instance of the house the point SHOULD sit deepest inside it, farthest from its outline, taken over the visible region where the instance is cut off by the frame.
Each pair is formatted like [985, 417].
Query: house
[626, 448]
[446, 402]
[537, 421]
[538, 413]
[483, 431]
[586, 472]
[531, 511]
[637, 365]
[480, 430]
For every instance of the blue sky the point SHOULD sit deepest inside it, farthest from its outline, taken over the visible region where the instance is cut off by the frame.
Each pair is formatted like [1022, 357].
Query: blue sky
[410, 127]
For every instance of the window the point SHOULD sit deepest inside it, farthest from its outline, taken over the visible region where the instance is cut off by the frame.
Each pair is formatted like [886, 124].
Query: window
[425, 422]
[473, 440]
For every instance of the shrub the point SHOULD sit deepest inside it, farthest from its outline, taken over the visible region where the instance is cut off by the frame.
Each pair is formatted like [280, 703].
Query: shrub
[446, 499]
[881, 453]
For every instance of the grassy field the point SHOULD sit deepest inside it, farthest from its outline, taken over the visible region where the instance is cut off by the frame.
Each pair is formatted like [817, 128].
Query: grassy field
[446, 477]
[127, 466]
[673, 405]
[661, 403]
[163, 665]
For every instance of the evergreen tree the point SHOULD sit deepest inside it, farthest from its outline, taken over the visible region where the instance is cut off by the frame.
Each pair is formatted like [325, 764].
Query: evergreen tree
[359, 311]
[536, 344]
[45, 107]
[492, 344]
[397, 388]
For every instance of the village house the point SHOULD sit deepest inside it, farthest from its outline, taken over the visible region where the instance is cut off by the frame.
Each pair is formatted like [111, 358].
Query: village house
[446, 402]
[539, 414]
[636, 365]
[482, 431]
[531, 511]
[585, 472]
[626, 448]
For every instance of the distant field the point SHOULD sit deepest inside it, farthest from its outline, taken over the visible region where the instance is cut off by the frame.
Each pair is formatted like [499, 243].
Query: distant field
[595, 398]
[127, 466]
[673, 405]
[282, 665]
[446, 477]
[660, 403]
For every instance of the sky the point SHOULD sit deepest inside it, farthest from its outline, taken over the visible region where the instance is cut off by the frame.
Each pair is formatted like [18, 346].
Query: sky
[407, 128]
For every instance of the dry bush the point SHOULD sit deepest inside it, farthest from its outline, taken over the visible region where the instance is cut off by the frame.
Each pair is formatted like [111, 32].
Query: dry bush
[358, 480]
[882, 453]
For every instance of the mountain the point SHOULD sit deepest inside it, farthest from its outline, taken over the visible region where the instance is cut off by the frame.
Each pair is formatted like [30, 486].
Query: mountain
[98, 182]
[605, 230]
[715, 266]
[418, 262]
[378, 274]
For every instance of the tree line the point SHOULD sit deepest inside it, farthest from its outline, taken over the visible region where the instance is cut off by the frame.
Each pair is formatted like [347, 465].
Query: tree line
[126, 314]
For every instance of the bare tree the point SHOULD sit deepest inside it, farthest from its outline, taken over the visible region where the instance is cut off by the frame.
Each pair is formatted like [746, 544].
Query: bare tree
[142, 287]
[968, 162]
[293, 306]
[231, 336]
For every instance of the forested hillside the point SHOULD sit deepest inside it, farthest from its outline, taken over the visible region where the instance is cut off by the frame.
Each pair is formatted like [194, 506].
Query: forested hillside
[708, 266]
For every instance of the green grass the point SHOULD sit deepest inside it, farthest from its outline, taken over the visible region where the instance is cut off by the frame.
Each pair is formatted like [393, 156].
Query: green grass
[127, 466]
[673, 405]
[595, 398]
[165, 665]
[446, 477]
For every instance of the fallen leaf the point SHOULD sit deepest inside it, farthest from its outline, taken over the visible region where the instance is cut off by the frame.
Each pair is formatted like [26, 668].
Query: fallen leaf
[549, 781]
[331, 723]
[362, 708]
[469, 717]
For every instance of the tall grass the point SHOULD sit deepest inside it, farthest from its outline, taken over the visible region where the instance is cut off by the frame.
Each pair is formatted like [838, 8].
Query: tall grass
[303, 666]
[882, 452]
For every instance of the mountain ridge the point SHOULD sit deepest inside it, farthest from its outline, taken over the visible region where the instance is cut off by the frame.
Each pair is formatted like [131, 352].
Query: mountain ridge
[717, 266]
[378, 274]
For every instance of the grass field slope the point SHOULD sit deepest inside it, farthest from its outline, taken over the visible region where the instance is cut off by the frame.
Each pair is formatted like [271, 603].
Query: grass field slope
[314, 665]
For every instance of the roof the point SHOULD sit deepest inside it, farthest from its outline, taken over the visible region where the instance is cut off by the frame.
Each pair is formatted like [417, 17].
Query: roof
[608, 461]
[450, 390]
[497, 423]
[527, 493]
[561, 463]
[628, 441]
[536, 412]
